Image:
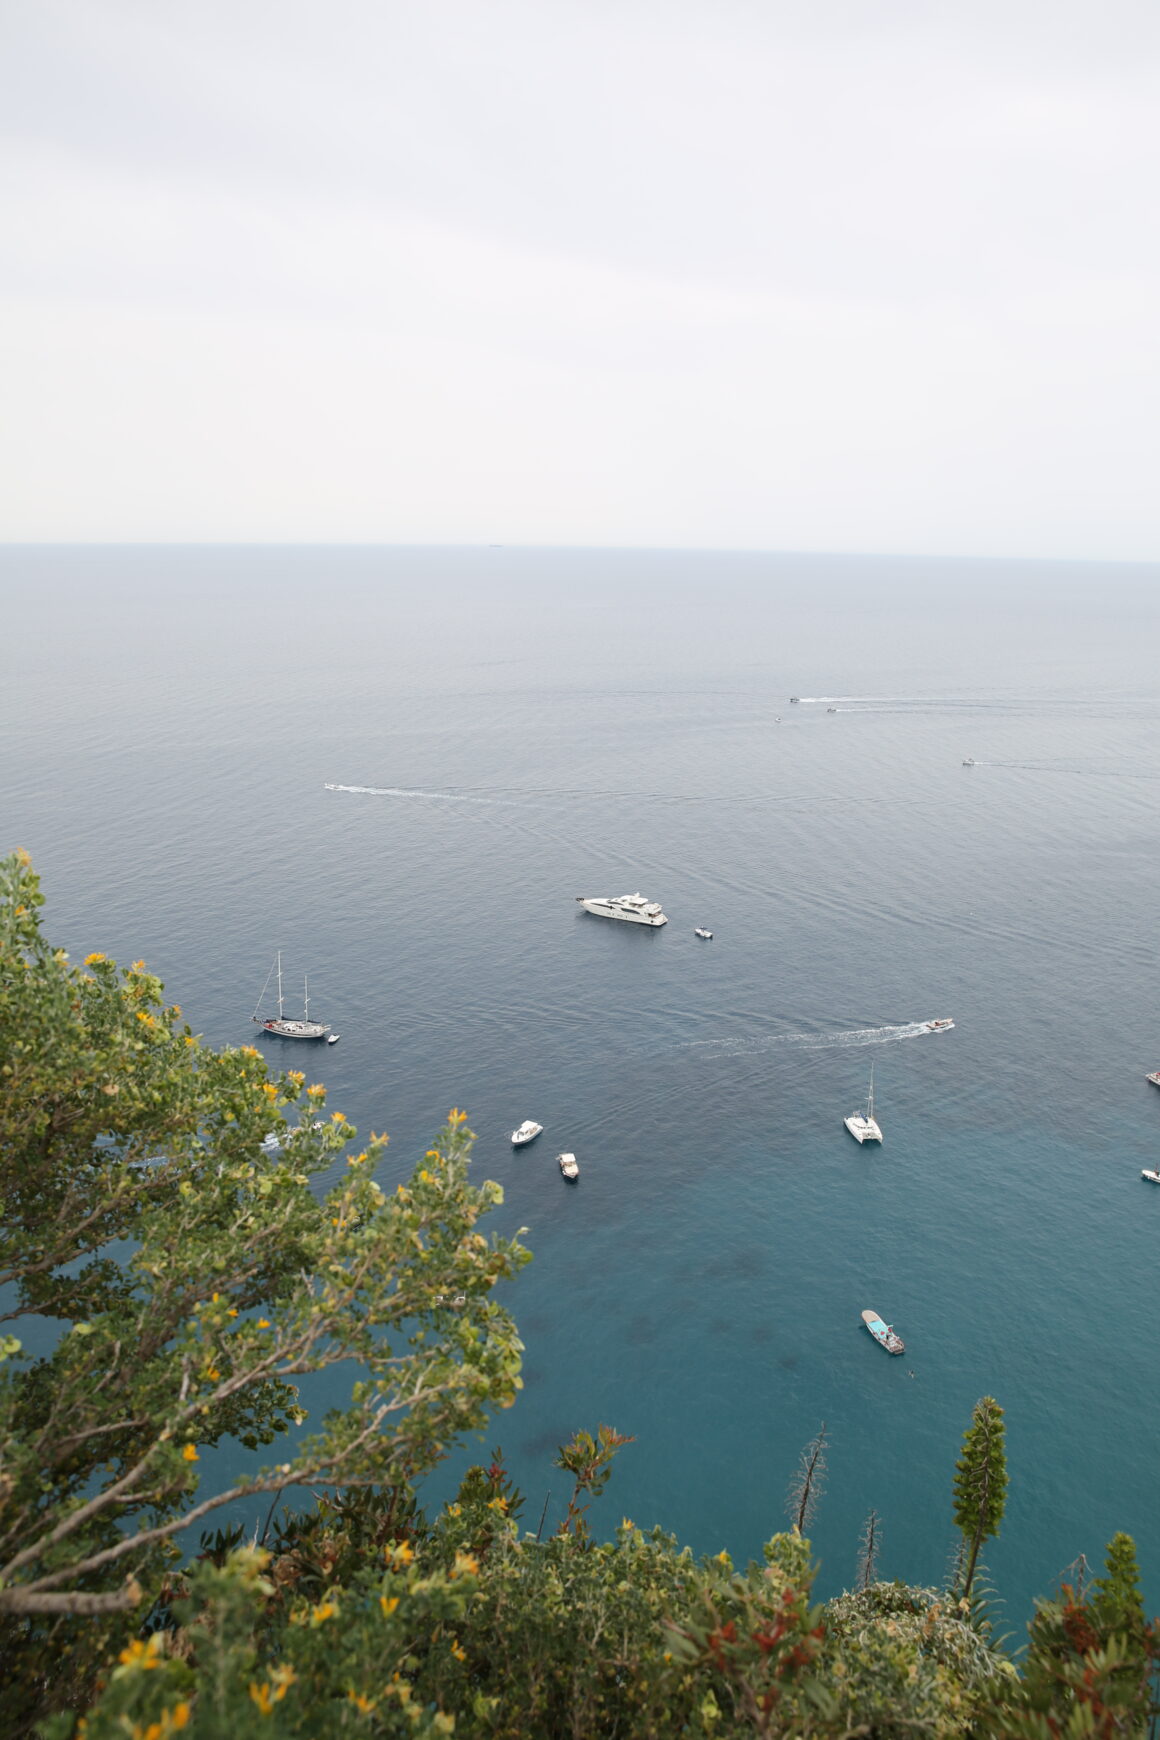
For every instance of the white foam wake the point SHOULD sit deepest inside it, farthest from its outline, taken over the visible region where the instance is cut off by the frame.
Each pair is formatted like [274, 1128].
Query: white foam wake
[400, 791]
[852, 1037]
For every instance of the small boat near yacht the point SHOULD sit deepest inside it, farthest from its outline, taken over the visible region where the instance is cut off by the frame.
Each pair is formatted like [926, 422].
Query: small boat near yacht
[702, 932]
[333, 1038]
[863, 1126]
[883, 1334]
[1154, 1078]
[632, 907]
[1152, 1177]
[569, 1165]
[942, 1026]
[527, 1132]
[282, 1026]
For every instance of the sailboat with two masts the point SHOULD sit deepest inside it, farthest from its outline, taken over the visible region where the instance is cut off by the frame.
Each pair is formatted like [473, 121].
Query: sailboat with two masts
[282, 1026]
[863, 1126]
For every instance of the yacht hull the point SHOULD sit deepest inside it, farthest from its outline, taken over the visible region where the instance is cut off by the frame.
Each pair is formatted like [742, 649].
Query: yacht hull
[600, 908]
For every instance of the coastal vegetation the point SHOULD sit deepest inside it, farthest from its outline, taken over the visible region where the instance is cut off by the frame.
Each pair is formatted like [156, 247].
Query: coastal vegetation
[175, 1283]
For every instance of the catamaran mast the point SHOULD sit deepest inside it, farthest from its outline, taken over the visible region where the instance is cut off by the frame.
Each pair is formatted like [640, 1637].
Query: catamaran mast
[279, 984]
[870, 1103]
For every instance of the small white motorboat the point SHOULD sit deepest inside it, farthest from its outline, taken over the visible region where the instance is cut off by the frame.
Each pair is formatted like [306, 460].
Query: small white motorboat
[1152, 1177]
[969, 761]
[862, 1125]
[457, 1299]
[701, 931]
[942, 1026]
[569, 1165]
[271, 1144]
[1154, 1078]
[527, 1132]
[831, 709]
[333, 1038]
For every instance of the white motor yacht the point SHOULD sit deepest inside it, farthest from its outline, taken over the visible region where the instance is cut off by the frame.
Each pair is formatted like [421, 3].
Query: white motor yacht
[702, 932]
[569, 1165]
[527, 1132]
[1154, 1078]
[1152, 1177]
[863, 1126]
[632, 907]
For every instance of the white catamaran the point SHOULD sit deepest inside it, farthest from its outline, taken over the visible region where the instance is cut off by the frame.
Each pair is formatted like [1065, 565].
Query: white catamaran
[281, 1026]
[863, 1126]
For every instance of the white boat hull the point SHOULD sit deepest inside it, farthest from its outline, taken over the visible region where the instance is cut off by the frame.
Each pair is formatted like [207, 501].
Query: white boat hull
[629, 908]
[526, 1133]
[863, 1129]
[296, 1029]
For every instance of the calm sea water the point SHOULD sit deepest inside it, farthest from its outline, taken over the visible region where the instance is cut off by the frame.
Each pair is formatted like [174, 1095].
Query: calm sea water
[544, 724]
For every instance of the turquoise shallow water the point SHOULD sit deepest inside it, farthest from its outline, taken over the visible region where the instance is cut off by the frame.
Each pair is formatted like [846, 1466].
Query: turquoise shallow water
[545, 724]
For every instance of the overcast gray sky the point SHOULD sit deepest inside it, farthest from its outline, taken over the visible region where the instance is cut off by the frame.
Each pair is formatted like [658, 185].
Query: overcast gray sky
[787, 274]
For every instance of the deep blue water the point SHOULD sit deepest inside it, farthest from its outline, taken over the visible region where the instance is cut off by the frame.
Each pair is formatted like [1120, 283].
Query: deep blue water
[546, 724]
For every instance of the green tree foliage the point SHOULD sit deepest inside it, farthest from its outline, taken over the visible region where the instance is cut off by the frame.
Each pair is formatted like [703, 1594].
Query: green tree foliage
[187, 1281]
[980, 1486]
[1090, 1661]
[465, 1625]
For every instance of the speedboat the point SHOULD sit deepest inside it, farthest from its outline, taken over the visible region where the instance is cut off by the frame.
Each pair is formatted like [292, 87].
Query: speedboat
[862, 1125]
[831, 709]
[938, 1026]
[527, 1132]
[1154, 1078]
[883, 1334]
[333, 1038]
[633, 907]
[969, 761]
[701, 931]
[794, 699]
[1152, 1177]
[569, 1165]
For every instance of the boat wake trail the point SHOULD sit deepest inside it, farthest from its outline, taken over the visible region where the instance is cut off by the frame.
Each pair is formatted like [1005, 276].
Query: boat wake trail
[853, 1037]
[400, 791]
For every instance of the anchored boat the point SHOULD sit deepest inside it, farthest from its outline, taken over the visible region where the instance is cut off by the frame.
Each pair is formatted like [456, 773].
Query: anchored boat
[632, 907]
[283, 1026]
[569, 1166]
[527, 1132]
[882, 1333]
[863, 1126]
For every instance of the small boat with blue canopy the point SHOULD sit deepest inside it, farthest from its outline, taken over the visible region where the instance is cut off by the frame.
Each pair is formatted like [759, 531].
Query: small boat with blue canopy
[883, 1334]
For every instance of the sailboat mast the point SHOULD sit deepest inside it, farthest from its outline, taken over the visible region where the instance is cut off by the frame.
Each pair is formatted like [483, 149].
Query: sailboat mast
[279, 984]
[305, 997]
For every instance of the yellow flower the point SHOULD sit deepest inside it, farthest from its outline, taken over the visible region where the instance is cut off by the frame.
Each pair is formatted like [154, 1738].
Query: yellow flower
[90, 960]
[283, 1678]
[190, 1453]
[455, 1116]
[455, 1510]
[388, 1603]
[360, 1702]
[432, 1154]
[263, 1323]
[466, 1565]
[144, 1654]
[338, 1117]
[316, 1091]
[296, 1076]
[247, 1050]
[270, 1090]
[444, 1722]
[402, 1553]
[212, 1373]
[179, 1715]
[320, 1614]
[459, 1654]
[261, 1697]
